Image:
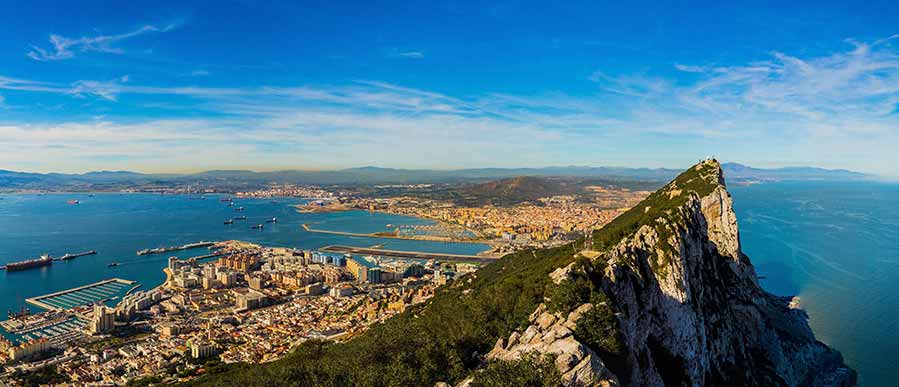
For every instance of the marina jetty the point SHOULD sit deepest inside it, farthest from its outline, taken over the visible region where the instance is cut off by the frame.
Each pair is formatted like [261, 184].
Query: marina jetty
[82, 295]
[160, 250]
[407, 254]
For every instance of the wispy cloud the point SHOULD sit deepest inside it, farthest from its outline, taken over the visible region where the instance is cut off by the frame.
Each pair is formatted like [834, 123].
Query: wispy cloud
[67, 48]
[411, 54]
[836, 110]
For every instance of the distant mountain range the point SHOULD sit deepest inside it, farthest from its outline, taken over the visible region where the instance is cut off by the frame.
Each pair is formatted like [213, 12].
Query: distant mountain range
[240, 179]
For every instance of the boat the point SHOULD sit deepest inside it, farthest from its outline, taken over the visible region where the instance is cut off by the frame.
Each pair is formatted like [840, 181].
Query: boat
[230, 204]
[160, 250]
[44, 260]
[241, 218]
[229, 221]
[272, 220]
[239, 209]
[23, 312]
[225, 199]
[69, 256]
[73, 201]
[258, 226]
[112, 264]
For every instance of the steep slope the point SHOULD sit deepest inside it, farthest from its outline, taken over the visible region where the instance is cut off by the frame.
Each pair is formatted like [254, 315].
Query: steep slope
[661, 296]
[689, 307]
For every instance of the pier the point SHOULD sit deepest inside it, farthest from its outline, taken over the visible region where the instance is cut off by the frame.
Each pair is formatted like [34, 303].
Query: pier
[394, 235]
[161, 250]
[407, 254]
[82, 295]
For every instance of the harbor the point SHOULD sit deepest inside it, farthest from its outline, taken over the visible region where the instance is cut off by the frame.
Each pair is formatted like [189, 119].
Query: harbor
[101, 291]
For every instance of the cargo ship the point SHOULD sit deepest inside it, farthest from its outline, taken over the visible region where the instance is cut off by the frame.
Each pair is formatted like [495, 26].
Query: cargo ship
[44, 260]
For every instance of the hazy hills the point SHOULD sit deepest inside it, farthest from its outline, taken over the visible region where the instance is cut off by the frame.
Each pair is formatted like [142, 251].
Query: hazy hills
[239, 179]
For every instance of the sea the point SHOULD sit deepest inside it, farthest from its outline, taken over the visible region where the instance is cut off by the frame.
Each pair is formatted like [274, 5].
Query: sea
[835, 245]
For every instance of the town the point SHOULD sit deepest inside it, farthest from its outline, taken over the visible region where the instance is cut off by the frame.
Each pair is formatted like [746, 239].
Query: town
[252, 304]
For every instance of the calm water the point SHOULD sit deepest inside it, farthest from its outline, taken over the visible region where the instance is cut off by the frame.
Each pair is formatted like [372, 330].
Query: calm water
[836, 245]
[117, 225]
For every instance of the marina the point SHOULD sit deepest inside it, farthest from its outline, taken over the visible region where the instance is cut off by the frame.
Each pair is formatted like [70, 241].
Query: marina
[83, 295]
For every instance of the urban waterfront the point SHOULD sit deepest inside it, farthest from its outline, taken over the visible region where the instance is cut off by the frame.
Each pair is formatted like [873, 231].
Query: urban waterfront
[117, 225]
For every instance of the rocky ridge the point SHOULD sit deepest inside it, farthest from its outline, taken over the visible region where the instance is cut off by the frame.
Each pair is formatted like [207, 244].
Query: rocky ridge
[688, 305]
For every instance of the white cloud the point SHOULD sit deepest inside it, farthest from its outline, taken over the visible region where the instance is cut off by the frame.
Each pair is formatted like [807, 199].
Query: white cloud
[411, 54]
[67, 48]
[834, 110]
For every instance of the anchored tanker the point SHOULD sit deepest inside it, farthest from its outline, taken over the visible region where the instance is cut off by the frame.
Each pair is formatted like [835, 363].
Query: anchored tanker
[44, 260]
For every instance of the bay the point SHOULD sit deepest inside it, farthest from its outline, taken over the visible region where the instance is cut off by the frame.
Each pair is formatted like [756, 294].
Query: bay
[116, 225]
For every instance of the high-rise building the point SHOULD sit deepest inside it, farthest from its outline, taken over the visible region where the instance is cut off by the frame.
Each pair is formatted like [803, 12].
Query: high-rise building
[102, 321]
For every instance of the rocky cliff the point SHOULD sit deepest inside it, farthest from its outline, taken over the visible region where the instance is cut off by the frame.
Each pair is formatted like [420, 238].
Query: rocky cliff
[686, 302]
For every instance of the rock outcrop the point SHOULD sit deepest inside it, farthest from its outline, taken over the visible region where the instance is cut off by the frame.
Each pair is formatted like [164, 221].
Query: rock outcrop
[690, 310]
[552, 334]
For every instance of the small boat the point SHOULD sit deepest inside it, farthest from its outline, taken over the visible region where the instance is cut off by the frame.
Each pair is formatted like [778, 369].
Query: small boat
[229, 221]
[241, 218]
[225, 200]
[272, 220]
[73, 201]
[258, 227]
[112, 264]
[238, 209]
[230, 204]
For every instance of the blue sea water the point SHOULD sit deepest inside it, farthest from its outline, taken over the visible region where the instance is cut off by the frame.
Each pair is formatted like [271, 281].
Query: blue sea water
[117, 225]
[836, 246]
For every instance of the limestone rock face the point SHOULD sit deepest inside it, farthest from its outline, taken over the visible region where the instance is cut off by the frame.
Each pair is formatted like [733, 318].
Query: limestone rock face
[551, 334]
[692, 312]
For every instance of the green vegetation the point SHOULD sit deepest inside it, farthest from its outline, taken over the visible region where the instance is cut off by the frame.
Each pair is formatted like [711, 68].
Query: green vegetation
[526, 372]
[41, 377]
[660, 206]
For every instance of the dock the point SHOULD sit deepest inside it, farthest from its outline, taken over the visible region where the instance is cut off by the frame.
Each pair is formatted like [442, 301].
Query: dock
[394, 235]
[82, 295]
[407, 254]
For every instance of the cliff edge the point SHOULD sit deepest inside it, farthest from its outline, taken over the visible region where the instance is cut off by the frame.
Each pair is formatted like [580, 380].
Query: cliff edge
[687, 307]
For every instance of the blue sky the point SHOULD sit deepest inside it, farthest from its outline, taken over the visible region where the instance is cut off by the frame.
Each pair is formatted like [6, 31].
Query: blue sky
[195, 85]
